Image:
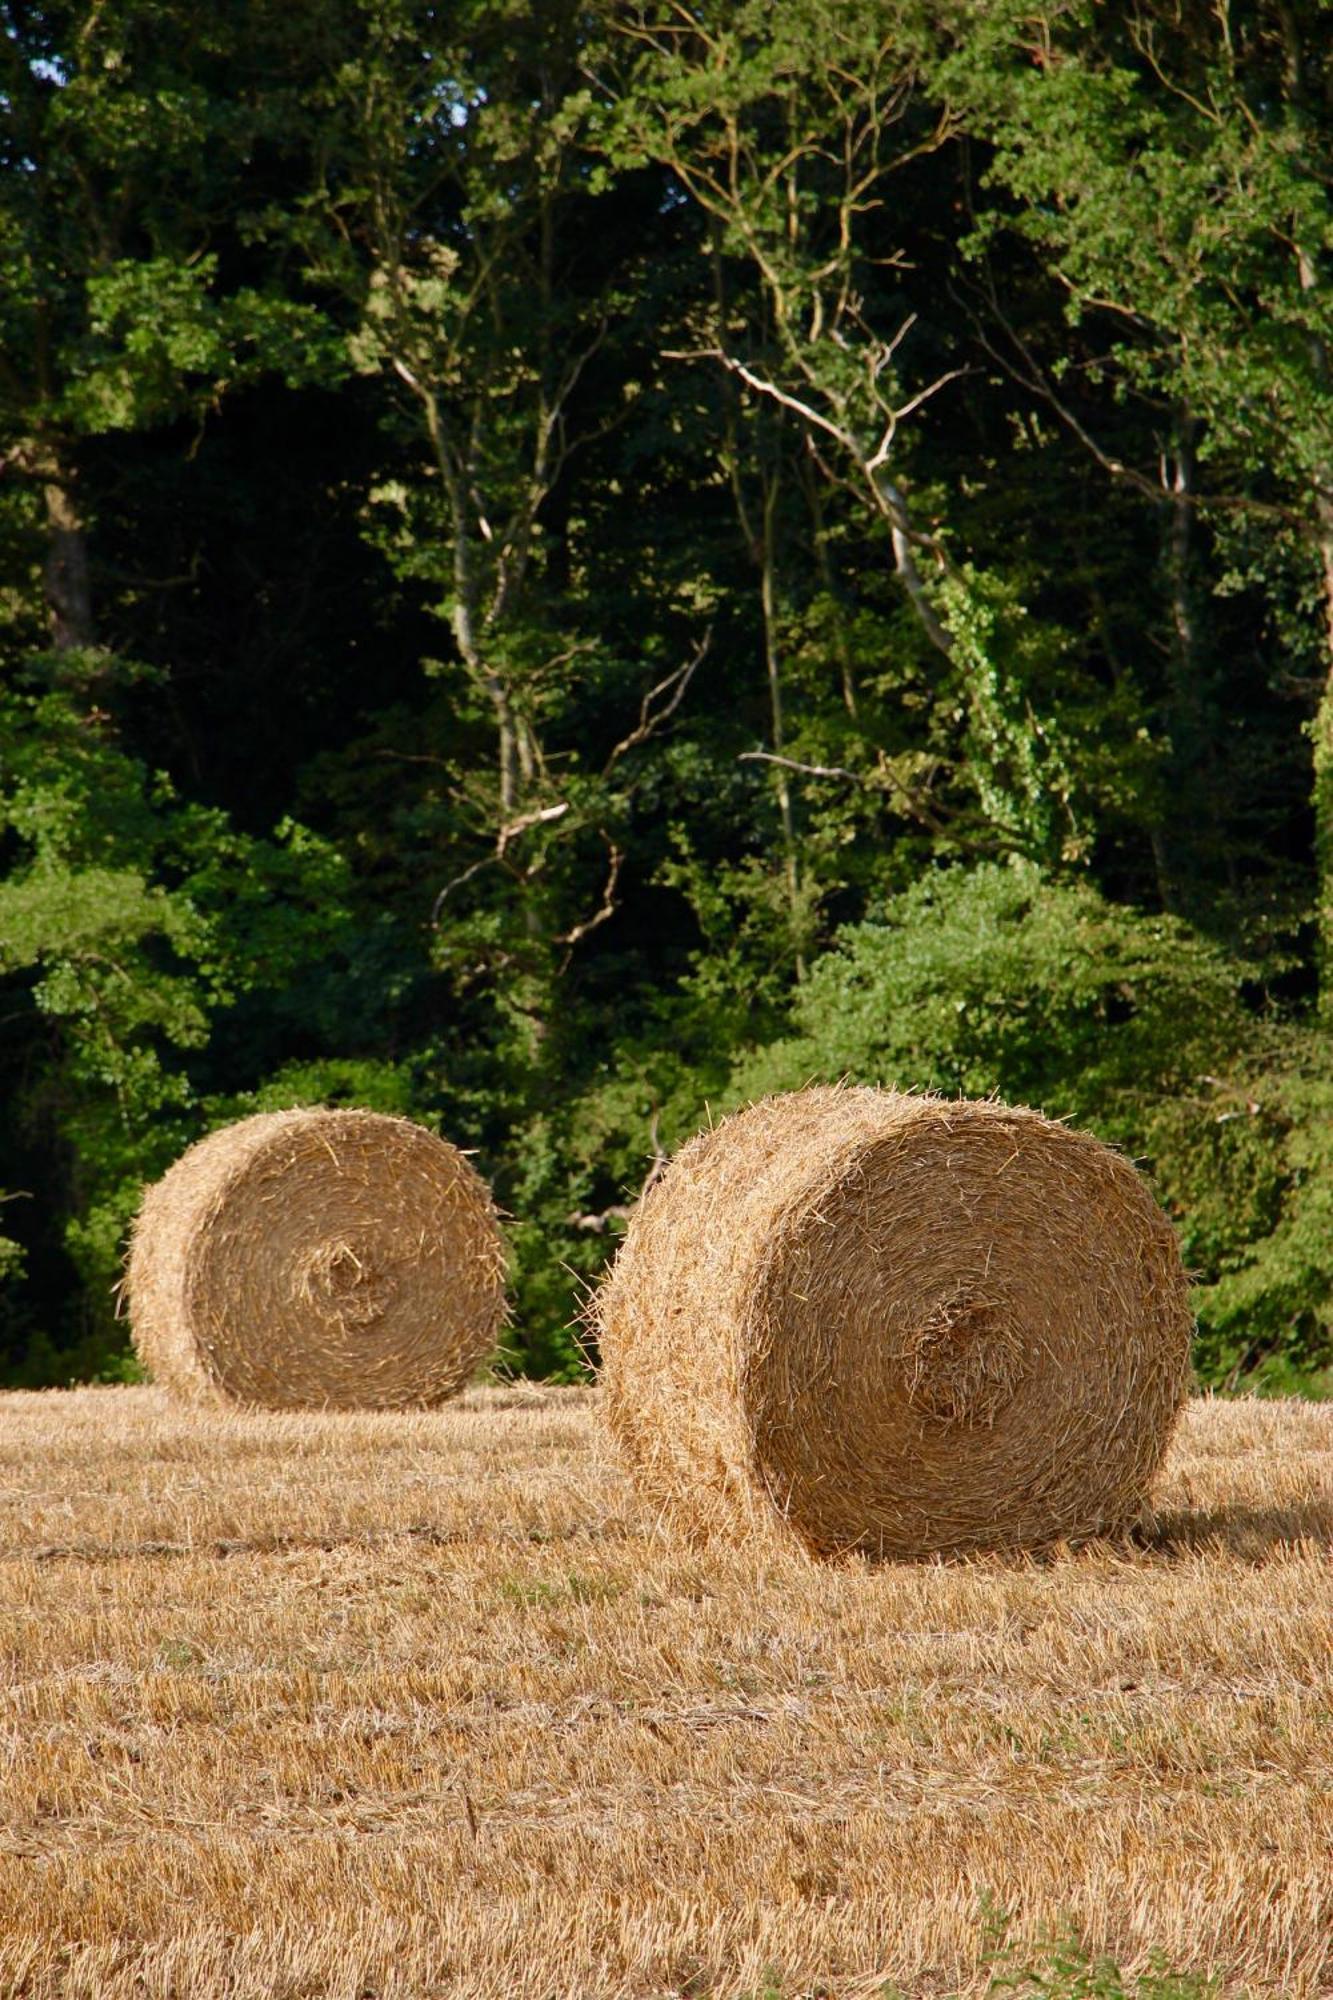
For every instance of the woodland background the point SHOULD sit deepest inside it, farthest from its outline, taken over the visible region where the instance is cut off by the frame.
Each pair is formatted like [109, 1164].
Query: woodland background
[562, 565]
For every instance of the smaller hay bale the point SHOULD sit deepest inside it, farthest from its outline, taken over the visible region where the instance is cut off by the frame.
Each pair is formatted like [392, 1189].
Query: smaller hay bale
[317, 1260]
[897, 1324]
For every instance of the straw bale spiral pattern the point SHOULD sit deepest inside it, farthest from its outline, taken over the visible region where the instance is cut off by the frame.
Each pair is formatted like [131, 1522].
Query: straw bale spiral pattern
[899, 1324]
[317, 1259]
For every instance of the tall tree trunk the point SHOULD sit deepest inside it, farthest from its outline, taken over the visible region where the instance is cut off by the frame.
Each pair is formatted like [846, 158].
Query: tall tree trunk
[465, 618]
[69, 601]
[1191, 839]
[761, 541]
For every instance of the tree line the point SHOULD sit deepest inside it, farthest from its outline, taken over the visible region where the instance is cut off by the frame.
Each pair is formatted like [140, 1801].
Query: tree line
[563, 566]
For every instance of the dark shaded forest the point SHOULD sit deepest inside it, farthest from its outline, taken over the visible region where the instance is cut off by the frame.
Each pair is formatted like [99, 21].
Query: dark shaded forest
[565, 565]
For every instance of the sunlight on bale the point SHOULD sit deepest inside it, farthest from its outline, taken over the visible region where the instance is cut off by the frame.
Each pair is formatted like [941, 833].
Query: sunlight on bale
[899, 1324]
[317, 1259]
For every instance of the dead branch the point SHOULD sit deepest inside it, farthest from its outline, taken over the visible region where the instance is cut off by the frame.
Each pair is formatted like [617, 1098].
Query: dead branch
[670, 691]
[597, 1222]
[542, 817]
[1031, 375]
[867, 781]
[605, 910]
[806, 770]
[884, 491]
[509, 831]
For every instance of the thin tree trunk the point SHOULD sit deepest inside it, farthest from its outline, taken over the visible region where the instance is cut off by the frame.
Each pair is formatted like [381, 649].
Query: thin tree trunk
[465, 620]
[773, 668]
[761, 541]
[1182, 669]
[832, 589]
[893, 506]
[1192, 842]
[1183, 632]
[1322, 738]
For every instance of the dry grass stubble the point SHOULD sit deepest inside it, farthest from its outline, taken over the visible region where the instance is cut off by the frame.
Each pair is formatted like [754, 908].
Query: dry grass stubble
[408, 1705]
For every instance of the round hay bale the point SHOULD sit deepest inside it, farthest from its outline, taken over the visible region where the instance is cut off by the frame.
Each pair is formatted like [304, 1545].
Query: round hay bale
[898, 1324]
[317, 1260]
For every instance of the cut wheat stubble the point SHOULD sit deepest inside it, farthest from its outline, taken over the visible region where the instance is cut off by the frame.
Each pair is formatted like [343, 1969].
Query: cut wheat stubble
[899, 1324]
[317, 1259]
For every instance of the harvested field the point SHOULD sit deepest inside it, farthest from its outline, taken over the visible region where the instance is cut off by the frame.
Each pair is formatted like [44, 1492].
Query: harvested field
[401, 1705]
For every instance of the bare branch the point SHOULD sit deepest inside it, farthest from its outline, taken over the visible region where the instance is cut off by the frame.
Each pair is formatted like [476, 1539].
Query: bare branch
[806, 770]
[888, 348]
[599, 1221]
[405, 757]
[605, 910]
[904, 556]
[551, 451]
[436, 908]
[867, 781]
[404, 373]
[1030, 374]
[887, 495]
[803, 409]
[1146, 43]
[509, 831]
[661, 1159]
[673, 688]
[541, 817]
[909, 408]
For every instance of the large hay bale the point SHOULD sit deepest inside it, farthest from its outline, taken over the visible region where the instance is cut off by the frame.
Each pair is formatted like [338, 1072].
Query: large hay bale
[900, 1324]
[317, 1259]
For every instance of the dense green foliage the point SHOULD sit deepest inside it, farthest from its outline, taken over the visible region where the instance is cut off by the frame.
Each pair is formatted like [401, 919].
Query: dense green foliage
[561, 566]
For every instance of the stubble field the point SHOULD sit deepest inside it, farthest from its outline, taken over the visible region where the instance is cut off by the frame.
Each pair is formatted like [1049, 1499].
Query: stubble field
[404, 1706]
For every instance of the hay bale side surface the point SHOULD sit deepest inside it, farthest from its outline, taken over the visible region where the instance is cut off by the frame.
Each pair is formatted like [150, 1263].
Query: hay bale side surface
[895, 1323]
[317, 1259]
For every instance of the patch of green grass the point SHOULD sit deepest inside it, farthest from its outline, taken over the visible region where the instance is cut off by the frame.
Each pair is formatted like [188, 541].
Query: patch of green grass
[1056, 1967]
[1060, 1967]
[178, 1656]
[571, 1589]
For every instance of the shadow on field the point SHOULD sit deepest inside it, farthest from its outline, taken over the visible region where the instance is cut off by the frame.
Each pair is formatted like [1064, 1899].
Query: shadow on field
[598, 1531]
[1242, 1533]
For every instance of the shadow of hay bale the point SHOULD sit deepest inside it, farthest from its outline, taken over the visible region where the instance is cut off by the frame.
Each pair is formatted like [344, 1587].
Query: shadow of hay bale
[1242, 1533]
